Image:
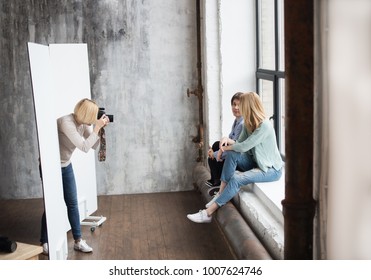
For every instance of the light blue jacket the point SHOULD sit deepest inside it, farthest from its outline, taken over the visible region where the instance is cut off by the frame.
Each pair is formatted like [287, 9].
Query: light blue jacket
[262, 145]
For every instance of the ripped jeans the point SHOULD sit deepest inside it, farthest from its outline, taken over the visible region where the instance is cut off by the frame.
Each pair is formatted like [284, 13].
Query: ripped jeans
[251, 174]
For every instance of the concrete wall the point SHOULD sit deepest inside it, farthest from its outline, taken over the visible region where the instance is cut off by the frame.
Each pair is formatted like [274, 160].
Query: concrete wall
[142, 58]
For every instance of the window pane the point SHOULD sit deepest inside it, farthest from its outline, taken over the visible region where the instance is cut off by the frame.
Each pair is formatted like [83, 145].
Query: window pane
[282, 116]
[266, 94]
[281, 37]
[266, 35]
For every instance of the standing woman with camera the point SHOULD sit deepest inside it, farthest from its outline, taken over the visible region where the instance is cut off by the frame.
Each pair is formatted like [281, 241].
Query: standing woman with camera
[75, 130]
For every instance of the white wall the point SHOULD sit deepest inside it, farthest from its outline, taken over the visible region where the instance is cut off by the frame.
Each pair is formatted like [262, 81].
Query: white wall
[211, 70]
[229, 59]
[238, 53]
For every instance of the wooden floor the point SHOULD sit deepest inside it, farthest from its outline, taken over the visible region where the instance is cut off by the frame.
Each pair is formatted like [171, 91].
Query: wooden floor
[138, 227]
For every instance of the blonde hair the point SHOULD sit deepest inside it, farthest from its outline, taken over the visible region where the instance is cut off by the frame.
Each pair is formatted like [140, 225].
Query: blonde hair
[86, 111]
[252, 110]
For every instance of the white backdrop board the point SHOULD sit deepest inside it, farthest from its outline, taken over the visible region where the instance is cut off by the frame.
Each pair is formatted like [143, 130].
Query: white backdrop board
[70, 69]
[60, 78]
[45, 103]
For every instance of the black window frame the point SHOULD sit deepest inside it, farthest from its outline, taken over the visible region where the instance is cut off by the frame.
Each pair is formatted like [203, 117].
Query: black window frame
[271, 75]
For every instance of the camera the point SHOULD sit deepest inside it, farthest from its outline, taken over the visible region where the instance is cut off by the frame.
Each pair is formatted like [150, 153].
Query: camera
[101, 112]
[7, 245]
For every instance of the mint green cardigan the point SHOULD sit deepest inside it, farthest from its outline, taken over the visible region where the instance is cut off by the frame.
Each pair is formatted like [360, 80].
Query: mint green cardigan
[262, 145]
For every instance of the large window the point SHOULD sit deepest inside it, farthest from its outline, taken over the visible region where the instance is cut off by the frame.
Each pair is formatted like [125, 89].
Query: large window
[270, 63]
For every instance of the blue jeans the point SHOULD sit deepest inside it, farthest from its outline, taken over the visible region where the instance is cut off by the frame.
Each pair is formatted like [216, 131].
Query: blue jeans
[70, 198]
[251, 174]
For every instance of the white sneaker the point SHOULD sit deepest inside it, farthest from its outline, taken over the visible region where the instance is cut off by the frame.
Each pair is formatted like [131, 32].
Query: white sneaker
[212, 201]
[82, 246]
[200, 217]
[45, 249]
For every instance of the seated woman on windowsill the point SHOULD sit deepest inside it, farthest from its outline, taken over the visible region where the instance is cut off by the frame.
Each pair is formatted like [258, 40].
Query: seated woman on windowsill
[255, 153]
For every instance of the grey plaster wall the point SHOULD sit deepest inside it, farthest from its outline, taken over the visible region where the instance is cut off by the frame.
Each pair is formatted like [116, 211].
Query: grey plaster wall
[142, 57]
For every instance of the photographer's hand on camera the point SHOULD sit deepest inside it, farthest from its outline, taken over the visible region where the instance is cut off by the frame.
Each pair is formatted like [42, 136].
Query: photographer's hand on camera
[102, 122]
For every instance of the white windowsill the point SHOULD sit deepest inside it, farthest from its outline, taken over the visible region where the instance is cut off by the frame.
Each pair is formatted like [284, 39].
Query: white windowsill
[272, 194]
[260, 204]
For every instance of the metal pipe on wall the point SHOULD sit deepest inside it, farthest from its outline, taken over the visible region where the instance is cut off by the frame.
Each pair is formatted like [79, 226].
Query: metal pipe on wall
[199, 139]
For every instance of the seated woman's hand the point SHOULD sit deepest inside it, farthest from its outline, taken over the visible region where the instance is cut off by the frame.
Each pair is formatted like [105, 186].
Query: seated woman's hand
[223, 142]
[210, 153]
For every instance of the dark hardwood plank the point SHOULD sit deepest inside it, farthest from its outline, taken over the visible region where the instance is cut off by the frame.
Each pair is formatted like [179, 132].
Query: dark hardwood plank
[138, 227]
